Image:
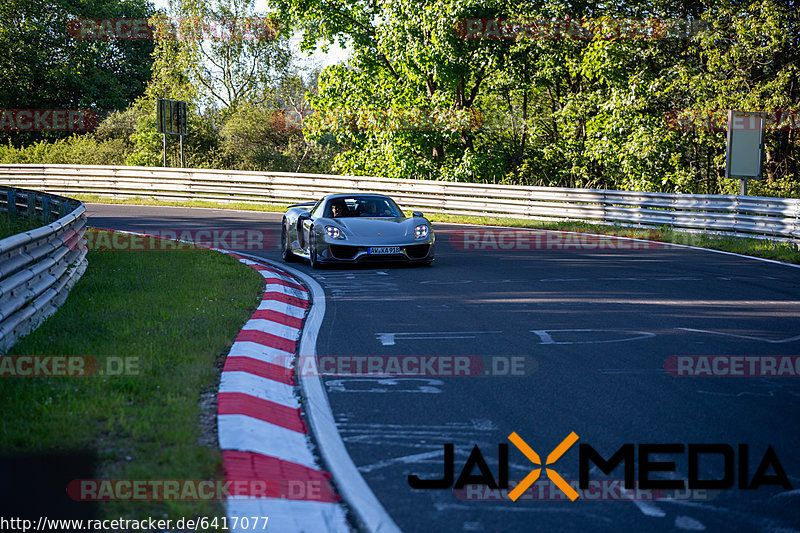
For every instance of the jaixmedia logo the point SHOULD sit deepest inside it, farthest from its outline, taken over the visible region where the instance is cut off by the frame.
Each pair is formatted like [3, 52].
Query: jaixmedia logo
[642, 465]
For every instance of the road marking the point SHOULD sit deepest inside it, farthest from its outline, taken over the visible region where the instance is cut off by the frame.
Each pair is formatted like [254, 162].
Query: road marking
[383, 385]
[648, 509]
[389, 339]
[662, 278]
[423, 439]
[688, 524]
[405, 459]
[748, 337]
[546, 338]
[445, 282]
[621, 371]
[359, 285]
[770, 389]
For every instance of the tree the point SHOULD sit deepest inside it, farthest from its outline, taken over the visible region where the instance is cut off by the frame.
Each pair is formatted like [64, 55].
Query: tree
[45, 67]
[224, 50]
[407, 57]
[748, 59]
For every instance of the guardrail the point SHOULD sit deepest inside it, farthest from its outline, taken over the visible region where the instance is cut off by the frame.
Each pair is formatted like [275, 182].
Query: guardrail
[777, 218]
[38, 267]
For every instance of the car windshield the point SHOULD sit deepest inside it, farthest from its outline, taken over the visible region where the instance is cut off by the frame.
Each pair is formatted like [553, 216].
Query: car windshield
[362, 206]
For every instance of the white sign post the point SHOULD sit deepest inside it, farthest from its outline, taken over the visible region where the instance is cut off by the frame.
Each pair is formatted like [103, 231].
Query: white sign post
[745, 147]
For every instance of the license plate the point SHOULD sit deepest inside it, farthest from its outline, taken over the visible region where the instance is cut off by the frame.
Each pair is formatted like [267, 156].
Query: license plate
[383, 250]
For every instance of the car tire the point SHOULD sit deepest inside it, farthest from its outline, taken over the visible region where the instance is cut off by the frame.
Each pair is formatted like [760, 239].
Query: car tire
[312, 249]
[286, 252]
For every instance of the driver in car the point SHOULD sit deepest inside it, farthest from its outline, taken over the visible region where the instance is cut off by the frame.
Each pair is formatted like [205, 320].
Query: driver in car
[338, 209]
[372, 208]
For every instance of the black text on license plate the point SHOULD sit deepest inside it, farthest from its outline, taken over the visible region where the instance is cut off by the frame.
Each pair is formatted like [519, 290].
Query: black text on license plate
[382, 250]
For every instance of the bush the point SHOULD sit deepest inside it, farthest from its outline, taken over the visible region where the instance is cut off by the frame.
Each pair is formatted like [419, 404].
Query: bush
[75, 150]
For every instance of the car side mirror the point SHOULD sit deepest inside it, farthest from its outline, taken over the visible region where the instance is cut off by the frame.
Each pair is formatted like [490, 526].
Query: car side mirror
[417, 213]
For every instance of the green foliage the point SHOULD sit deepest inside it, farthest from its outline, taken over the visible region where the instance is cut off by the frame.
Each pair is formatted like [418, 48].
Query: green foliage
[594, 107]
[75, 150]
[44, 67]
[592, 111]
[259, 137]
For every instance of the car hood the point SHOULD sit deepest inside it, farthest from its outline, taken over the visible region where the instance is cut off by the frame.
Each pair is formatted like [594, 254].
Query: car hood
[379, 230]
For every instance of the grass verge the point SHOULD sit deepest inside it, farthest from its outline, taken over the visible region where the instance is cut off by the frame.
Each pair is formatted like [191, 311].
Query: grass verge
[778, 251]
[9, 227]
[173, 315]
[138, 200]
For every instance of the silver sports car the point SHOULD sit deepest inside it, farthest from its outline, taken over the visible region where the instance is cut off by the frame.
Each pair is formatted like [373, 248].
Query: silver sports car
[351, 228]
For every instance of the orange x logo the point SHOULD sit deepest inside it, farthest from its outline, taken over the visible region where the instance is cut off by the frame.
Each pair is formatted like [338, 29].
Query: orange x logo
[533, 457]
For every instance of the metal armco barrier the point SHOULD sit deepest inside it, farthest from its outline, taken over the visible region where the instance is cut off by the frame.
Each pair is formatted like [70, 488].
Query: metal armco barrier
[38, 267]
[777, 218]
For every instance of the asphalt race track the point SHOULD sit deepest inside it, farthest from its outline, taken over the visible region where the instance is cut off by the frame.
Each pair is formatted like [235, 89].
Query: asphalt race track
[590, 329]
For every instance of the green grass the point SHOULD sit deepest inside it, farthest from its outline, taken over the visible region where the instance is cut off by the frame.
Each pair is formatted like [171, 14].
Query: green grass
[9, 227]
[779, 251]
[177, 313]
[139, 200]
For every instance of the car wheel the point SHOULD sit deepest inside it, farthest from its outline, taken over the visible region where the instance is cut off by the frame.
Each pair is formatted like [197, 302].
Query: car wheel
[286, 252]
[312, 249]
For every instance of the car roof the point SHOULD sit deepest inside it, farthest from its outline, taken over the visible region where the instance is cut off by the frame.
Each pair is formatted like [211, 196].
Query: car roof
[353, 194]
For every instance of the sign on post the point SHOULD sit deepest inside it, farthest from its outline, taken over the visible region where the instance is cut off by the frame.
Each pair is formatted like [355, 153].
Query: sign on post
[745, 147]
[171, 118]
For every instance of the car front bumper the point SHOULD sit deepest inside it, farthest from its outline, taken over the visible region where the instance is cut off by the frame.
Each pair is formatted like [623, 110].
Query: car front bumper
[419, 252]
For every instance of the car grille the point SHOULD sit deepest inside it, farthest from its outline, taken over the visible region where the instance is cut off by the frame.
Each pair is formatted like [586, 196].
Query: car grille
[340, 251]
[417, 251]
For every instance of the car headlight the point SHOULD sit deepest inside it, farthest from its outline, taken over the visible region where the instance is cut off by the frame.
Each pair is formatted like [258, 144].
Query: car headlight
[334, 232]
[421, 231]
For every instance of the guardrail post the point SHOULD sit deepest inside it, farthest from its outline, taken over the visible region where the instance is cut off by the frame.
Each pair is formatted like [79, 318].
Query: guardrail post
[30, 206]
[605, 204]
[796, 224]
[11, 198]
[46, 215]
